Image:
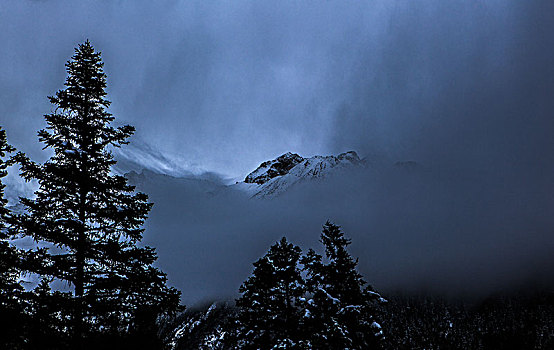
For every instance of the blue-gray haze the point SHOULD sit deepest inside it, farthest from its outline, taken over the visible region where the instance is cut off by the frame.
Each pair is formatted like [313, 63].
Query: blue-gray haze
[465, 88]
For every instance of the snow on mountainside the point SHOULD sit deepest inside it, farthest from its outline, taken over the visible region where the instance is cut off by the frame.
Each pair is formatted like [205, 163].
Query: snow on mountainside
[270, 179]
[194, 184]
[273, 168]
[276, 176]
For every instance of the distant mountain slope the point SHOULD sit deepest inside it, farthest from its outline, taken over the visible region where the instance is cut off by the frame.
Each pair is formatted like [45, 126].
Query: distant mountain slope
[206, 183]
[272, 178]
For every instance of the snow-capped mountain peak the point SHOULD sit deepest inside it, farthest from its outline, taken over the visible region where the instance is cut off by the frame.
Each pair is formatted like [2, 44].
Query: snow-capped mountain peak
[274, 177]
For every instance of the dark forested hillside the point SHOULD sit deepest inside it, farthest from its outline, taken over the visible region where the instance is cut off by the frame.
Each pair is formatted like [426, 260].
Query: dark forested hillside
[409, 322]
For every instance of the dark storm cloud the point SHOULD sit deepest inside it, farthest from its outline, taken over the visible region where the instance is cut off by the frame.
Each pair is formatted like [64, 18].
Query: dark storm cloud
[466, 88]
[224, 86]
[469, 82]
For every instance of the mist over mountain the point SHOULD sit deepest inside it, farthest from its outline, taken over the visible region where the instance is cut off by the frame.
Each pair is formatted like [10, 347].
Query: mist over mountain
[414, 228]
[423, 128]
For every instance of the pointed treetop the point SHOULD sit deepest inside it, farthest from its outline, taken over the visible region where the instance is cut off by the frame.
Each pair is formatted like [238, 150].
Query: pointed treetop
[334, 241]
[86, 80]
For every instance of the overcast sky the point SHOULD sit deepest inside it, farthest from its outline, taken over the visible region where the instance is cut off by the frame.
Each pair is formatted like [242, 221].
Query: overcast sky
[222, 86]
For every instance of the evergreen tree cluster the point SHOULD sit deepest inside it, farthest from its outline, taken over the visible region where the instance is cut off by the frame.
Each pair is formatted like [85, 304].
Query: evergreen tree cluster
[308, 302]
[88, 226]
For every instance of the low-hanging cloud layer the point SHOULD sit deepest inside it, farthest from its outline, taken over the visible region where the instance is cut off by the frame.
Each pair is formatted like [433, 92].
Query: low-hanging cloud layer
[463, 87]
[415, 229]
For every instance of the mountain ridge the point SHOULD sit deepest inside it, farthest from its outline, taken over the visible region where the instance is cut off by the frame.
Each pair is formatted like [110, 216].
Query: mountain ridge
[274, 177]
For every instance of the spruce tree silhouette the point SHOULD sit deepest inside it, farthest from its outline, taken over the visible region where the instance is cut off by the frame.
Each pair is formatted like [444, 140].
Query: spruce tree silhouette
[342, 309]
[90, 220]
[269, 313]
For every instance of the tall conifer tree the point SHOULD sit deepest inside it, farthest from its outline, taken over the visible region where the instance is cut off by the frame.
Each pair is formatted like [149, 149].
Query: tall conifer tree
[341, 311]
[270, 310]
[93, 217]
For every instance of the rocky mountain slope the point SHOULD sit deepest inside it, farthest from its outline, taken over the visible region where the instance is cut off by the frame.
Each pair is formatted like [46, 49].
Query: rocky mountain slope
[276, 176]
